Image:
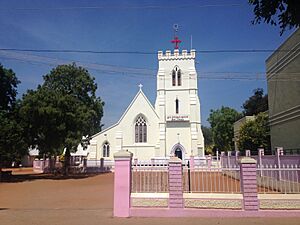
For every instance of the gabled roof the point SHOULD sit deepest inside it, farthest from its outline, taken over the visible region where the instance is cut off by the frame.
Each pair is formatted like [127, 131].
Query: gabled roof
[140, 92]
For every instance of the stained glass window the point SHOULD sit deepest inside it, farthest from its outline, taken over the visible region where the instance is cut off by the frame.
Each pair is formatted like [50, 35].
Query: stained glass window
[140, 130]
[106, 149]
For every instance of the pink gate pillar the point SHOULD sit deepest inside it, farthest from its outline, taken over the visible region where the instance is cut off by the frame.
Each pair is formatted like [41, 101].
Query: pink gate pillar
[209, 161]
[122, 183]
[192, 162]
[175, 183]
[249, 184]
[279, 153]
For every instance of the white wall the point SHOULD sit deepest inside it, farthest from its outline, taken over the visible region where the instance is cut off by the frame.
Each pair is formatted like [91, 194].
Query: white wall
[190, 133]
[161, 135]
[122, 135]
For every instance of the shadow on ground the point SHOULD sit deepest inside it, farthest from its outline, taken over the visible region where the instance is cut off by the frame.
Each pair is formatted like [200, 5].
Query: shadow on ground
[30, 177]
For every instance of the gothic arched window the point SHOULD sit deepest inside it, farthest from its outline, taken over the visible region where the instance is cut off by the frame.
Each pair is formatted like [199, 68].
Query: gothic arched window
[173, 78]
[140, 130]
[176, 76]
[106, 149]
[179, 77]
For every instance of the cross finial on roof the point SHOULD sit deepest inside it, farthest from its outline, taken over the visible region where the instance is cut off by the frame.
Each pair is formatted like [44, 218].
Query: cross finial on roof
[140, 86]
[176, 40]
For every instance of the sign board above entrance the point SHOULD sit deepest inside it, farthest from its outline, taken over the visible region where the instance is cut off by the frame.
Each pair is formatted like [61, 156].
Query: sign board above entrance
[178, 118]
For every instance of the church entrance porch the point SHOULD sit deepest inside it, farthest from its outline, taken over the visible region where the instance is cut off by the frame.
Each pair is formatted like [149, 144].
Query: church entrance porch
[178, 151]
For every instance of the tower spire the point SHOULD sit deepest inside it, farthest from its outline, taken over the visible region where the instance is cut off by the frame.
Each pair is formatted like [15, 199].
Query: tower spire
[176, 40]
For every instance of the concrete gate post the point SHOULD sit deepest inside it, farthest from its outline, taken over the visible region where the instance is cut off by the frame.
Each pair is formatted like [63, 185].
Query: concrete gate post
[175, 183]
[122, 183]
[279, 153]
[192, 162]
[249, 184]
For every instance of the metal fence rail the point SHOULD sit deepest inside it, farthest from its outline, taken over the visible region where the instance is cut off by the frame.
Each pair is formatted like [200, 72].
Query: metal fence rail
[98, 166]
[273, 179]
[211, 180]
[153, 177]
[147, 177]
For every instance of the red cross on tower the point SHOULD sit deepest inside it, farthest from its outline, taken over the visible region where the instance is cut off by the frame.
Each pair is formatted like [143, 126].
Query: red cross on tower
[176, 41]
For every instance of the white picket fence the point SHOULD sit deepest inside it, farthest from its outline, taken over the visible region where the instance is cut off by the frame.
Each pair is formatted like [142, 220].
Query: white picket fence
[274, 179]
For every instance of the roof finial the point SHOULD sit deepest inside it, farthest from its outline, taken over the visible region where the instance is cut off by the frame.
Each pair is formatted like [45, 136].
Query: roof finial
[176, 41]
[140, 86]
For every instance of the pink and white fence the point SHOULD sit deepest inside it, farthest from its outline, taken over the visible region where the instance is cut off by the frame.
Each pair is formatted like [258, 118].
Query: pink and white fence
[177, 189]
[208, 179]
[42, 166]
[284, 179]
[278, 160]
[149, 178]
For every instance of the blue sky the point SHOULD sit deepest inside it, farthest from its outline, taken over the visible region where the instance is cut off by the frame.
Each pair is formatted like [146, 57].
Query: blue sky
[138, 26]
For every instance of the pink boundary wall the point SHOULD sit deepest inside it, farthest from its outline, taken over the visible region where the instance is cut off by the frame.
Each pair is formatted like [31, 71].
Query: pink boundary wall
[175, 183]
[215, 213]
[122, 188]
[122, 183]
[249, 184]
[41, 166]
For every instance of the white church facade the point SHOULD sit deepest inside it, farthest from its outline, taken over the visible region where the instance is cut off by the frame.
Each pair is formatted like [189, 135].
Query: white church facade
[171, 127]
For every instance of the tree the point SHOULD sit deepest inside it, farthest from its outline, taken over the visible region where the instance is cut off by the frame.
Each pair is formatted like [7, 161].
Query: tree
[8, 88]
[257, 103]
[12, 145]
[62, 111]
[221, 122]
[255, 134]
[285, 13]
[207, 134]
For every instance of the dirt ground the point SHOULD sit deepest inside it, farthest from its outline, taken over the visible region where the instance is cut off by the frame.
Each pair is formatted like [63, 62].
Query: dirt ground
[39, 199]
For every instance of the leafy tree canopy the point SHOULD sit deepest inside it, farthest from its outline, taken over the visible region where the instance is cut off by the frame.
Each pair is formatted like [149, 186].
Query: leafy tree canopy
[285, 13]
[62, 110]
[208, 141]
[255, 134]
[12, 145]
[257, 103]
[8, 88]
[207, 133]
[221, 122]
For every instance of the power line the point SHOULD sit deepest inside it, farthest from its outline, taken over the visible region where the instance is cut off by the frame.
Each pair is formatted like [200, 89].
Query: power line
[124, 7]
[144, 72]
[77, 51]
[247, 50]
[144, 52]
[226, 76]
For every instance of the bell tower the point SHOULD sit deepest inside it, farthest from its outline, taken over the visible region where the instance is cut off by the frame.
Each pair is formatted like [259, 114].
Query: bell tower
[177, 103]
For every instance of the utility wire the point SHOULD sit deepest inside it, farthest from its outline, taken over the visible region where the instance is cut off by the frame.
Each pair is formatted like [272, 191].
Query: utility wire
[144, 52]
[124, 7]
[202, 76]
[144, 72]
[77, 51]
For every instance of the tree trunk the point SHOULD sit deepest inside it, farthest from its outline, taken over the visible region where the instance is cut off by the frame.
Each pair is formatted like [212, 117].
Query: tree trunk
[51, 163]
[67, 162]
[44, 163]
[0, 170]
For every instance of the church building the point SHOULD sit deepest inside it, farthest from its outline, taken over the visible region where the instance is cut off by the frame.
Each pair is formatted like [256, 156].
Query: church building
[171, 127]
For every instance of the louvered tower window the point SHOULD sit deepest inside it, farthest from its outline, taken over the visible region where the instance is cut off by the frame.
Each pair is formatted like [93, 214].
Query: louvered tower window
[176, 76]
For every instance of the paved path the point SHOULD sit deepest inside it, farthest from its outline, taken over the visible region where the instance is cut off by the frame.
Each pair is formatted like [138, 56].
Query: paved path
[85, 201]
